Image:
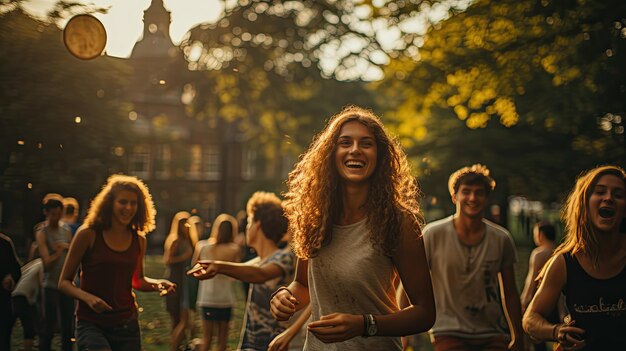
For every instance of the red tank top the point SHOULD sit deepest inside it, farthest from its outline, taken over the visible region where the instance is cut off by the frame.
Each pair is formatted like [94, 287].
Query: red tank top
[108, 274]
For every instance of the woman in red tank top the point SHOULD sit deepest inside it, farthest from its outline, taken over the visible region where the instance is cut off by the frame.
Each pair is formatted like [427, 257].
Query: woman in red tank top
[110, 248]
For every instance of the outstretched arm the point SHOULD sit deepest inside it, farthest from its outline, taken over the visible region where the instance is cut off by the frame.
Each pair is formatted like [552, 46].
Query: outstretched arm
[241, 271]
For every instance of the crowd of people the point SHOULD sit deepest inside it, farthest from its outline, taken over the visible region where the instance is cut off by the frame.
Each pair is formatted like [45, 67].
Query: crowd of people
[344, 262]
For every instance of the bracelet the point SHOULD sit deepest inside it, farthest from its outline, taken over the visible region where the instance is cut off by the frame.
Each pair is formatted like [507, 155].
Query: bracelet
[554, 332]
[279, 290]
[365, 325]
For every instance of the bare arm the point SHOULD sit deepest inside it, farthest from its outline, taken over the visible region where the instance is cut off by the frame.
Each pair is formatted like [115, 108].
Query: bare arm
[285, 303]
[544, 302]
[512, 306]
[410, 261]
[143, 283]
[40, 237]
[281, 341]
[242, 271]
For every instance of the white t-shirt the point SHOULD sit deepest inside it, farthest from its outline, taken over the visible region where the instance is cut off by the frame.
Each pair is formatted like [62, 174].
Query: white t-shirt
[29, 284]
[465, 279]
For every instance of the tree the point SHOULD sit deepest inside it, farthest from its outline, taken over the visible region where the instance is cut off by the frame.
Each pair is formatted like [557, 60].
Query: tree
[533, 89]
[60, 118]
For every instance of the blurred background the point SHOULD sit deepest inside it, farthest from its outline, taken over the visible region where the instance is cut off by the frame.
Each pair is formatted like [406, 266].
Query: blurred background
[209, 101]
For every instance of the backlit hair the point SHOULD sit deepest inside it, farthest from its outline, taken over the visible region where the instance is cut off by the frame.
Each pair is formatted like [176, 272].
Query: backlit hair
[580, 234]
[313, 201]
[472, 175]
[100, 214]
[215, 229]
[266, 208]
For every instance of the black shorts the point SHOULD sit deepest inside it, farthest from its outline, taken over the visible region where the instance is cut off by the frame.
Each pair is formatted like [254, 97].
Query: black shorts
[216, 314]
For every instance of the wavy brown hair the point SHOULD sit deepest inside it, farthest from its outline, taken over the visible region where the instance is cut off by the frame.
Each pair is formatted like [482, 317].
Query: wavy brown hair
[313, 201]
[580, 235]
[100, 214]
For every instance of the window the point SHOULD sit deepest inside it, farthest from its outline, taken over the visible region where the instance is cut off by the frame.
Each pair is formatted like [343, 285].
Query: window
[248, 166]
[195, 161]
[211, 163]
[162, 162]
[139, 161]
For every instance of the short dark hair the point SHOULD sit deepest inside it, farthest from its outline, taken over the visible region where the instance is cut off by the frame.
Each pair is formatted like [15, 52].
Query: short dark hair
[547, 229]
[267, 208]
[472, 175]
[52, 203]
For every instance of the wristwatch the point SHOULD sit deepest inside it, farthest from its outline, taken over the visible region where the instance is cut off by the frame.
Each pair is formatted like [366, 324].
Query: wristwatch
[371, 327]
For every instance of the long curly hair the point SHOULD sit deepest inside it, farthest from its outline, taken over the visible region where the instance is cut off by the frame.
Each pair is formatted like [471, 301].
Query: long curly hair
[313, 202]
[100, 214]
[580, 234]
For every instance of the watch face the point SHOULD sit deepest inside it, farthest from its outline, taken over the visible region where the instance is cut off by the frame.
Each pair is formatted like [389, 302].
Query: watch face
[371, 330]
[85, 37]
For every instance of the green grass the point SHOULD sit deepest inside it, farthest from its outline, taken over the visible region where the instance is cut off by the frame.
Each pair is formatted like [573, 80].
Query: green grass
[155, 321]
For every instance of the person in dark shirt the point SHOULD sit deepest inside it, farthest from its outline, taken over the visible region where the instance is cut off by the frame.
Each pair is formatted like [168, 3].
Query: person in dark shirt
[589, 268]
[9, 273]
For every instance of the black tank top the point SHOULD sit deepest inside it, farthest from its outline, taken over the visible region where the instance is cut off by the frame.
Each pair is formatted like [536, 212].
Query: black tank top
[597, 305]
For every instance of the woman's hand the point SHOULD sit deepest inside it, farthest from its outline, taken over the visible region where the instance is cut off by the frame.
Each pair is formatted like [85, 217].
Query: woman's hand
[283, 305]
[570, 337]
[281, 341]
[204, 269]
[164, 287]
[337, 327]
[97, 304]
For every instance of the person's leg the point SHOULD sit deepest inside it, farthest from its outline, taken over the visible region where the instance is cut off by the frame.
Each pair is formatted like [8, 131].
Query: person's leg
[178, 334]
[207, 335]
[66, 317]
[50, 300]
[6, 322]
[90, 337]
[23, 310]
[222, 335]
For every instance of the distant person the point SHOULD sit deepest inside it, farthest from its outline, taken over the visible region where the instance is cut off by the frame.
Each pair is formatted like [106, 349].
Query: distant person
[273, 268]
[110, 248]
[355, 222]
[472, 265]
[53, 240]
[70, 214]
[216, 297]
[544, 236]
[10, 274]
[179, 246]
[196, 230]
[24, 300]
[589, 268]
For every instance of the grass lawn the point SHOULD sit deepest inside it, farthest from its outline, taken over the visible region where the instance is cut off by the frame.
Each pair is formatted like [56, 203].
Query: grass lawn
[155, 321]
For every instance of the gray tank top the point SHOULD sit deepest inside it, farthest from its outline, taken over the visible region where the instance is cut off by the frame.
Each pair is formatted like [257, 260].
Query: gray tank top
[61, 234]
[351, 276]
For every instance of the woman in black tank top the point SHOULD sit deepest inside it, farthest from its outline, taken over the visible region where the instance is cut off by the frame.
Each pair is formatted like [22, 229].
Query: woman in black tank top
[589, 268]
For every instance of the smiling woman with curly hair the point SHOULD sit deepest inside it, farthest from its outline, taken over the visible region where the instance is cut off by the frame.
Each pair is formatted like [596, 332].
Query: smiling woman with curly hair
[354, 219]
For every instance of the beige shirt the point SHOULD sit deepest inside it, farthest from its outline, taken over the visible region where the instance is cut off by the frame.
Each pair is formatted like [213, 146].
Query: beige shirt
[351, 276]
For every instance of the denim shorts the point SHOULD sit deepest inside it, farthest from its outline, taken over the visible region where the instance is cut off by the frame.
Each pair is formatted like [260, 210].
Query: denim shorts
[122, 337]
